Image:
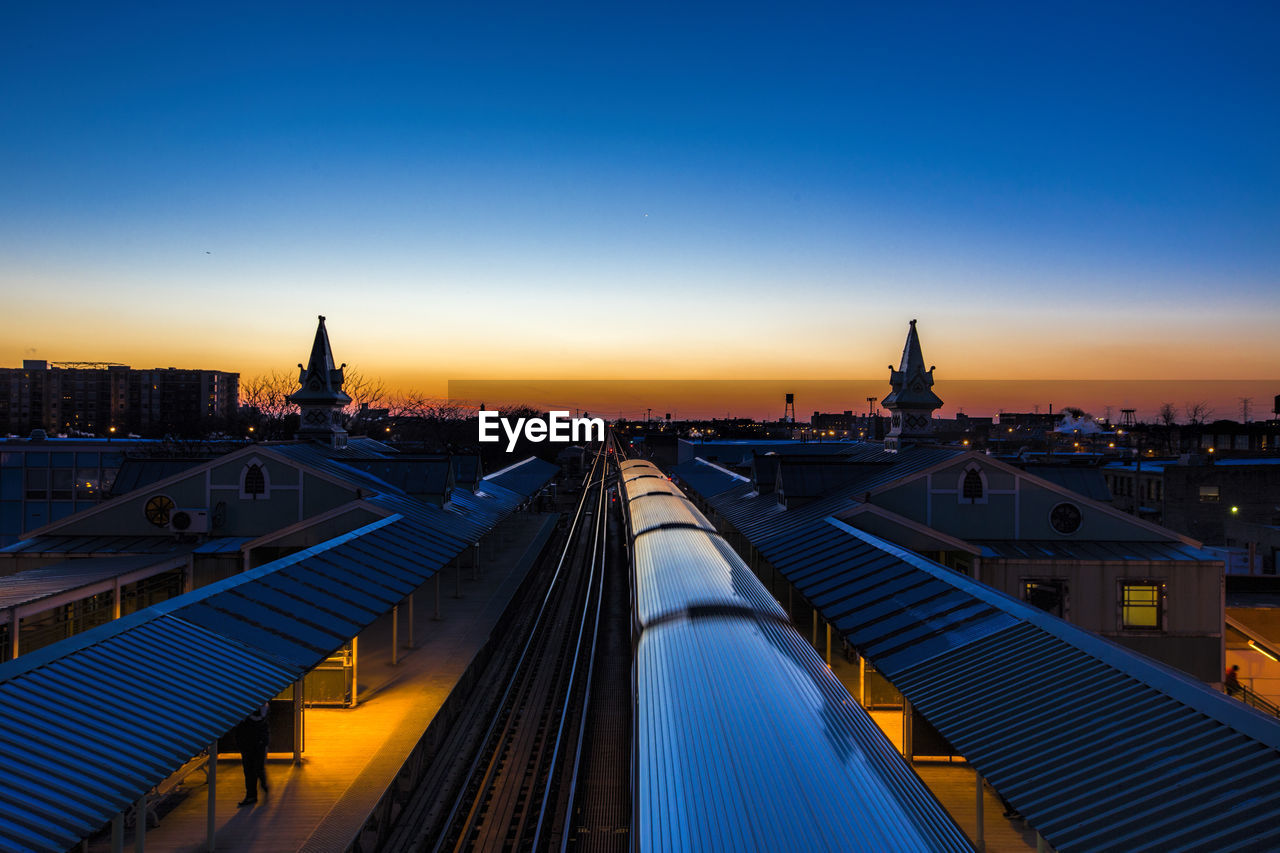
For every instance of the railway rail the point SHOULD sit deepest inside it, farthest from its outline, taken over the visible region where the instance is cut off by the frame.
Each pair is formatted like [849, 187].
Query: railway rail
[513, 780]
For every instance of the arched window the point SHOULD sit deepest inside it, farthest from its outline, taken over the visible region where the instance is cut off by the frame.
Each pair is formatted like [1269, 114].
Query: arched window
[972, 485]
[972, 488]
[254, 482]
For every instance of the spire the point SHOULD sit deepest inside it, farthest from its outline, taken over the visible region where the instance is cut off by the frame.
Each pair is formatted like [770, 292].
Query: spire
[912, 400]
[911, 355]
[320, 396]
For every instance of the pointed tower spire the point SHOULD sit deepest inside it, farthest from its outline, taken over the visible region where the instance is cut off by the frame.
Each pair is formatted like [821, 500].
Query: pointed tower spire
[320, 396]
[912, 400]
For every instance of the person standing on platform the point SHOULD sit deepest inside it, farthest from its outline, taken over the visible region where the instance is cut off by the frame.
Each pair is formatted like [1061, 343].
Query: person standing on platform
[252, 736]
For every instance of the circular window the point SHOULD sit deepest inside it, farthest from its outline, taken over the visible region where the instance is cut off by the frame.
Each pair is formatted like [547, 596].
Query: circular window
[1065, 518]
[157, 510]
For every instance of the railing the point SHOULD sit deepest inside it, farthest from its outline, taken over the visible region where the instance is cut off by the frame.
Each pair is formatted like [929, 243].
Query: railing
[1247, 696]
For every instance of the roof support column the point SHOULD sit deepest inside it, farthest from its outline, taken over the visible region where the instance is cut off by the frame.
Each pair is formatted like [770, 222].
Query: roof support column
[355, 670]
[1039, 842]
[437, 614]
[211, 816]
[412, 595]
[980, 838]
[475, 563]
[115, 597]
[140, 825]
[299, 692]
[828, 645]
[395, 635]
[117, 833]
[908, 749]
[457, 593]
[15, 632]
[862, 681]
[815, 627]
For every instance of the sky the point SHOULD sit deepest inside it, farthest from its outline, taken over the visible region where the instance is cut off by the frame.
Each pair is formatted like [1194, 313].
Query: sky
[635, 191]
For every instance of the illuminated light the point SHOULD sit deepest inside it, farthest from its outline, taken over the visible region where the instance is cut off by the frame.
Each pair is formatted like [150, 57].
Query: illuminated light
[1210, 449]
[1111, 444]
[1264, 651]
[1234, 510]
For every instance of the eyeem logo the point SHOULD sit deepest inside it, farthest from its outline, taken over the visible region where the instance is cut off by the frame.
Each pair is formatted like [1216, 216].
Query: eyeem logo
[557, 427]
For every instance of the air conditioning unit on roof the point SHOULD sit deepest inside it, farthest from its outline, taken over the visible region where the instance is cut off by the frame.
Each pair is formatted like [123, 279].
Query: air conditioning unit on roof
[189, 520]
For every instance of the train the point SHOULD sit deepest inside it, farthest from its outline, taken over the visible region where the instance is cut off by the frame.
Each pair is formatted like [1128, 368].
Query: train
[743, 738]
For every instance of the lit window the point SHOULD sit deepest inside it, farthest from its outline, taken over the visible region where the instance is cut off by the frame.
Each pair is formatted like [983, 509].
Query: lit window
[1141, 605]
[1209, 495]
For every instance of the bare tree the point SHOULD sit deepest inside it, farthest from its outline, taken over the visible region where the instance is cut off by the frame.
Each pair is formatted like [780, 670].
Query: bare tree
[1198, 412]
[1168, 414]
[269, 393]
[364, 391]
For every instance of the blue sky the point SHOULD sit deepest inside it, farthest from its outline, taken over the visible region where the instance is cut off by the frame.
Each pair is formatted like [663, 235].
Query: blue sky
[772, 191]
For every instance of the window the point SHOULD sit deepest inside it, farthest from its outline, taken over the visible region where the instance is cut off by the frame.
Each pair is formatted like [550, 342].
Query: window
[1209, 494]
[254, 482]
[1141, 605]
[1049, 595]
[973, 485]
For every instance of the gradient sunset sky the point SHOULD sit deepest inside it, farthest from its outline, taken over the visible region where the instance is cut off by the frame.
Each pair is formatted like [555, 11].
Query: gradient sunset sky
[603, 190]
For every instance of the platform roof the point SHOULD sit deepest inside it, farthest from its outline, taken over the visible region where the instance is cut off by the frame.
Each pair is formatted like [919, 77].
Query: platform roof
[170, 679]
[1099, 747]
[39, 589]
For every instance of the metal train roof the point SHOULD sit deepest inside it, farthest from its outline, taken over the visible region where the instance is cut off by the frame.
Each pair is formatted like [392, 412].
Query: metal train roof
[1099, 747]
[665, 584]
[650, 512]
[714, 685]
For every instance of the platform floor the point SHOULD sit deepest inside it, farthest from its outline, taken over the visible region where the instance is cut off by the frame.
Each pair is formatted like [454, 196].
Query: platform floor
[352, 753]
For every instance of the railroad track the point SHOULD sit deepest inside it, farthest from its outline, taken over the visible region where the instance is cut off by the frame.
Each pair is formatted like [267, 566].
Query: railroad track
[518, 788]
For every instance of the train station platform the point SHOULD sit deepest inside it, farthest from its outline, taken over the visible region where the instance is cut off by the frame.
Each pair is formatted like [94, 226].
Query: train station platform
[954, 783]
[352, 754]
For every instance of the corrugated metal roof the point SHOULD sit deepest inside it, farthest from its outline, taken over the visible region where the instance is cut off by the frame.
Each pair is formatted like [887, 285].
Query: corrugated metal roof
[1099, 747]
[34, 585]
[223, 545]
[136, 472]
[100, 545]
[705, 478]
[1044, 549]
[168, 680]
[524, 477]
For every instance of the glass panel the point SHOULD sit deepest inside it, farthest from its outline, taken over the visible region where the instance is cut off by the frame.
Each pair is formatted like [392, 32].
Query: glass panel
[86, 483]
[11, 484]
[37, 460]
[1140, 607]
[37, 483]
[61, 479]
[63, 460]
[87, 460]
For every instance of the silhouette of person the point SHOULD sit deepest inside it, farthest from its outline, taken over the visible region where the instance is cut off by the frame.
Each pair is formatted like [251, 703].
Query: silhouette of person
[252, 735]
[1232, 680]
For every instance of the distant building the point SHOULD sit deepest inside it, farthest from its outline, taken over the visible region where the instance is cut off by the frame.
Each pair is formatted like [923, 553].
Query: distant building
[45, 481]
[93, 398]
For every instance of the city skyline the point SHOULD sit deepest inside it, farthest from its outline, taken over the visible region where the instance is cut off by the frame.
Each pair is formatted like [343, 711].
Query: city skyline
[767, 195]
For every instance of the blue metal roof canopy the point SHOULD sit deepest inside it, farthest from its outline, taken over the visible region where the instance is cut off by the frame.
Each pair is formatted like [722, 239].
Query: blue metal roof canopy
[1099, 747]
[168, 680]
